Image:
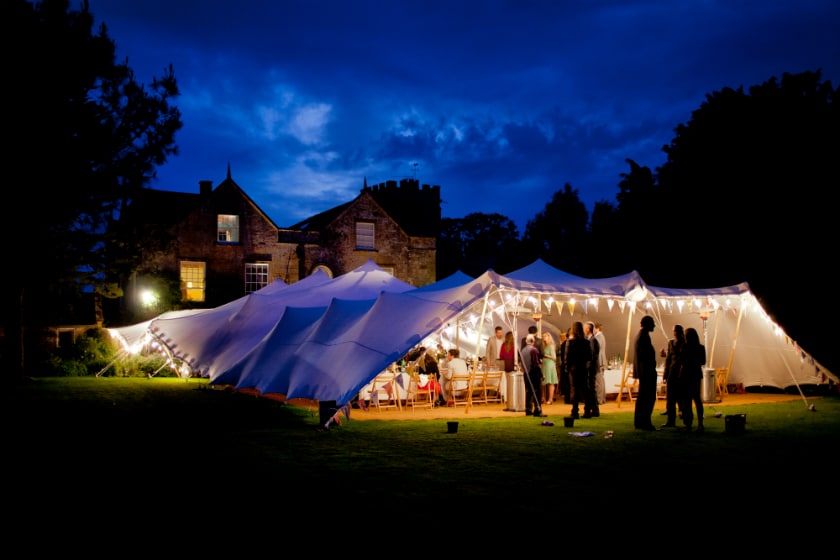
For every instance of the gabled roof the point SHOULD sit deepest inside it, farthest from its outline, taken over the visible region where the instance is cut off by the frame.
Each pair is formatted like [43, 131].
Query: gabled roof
[172, 207]
[319, 221]
[409, 207]
[230, 185]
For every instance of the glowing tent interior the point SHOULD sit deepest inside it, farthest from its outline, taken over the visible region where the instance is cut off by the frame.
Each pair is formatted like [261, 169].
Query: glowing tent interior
[325, 339]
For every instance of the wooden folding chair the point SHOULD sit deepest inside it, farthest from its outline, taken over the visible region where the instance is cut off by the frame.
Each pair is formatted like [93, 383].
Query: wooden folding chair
[478, 393]
[421, 397]
[722, 381]
[629, 384]
[385, 392]
[493, 386]
[460, 392]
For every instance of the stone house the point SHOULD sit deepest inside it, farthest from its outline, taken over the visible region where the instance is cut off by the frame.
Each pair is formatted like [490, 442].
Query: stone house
[223, 246]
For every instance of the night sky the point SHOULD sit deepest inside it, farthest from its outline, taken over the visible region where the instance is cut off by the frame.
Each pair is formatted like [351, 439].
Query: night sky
[501, 103]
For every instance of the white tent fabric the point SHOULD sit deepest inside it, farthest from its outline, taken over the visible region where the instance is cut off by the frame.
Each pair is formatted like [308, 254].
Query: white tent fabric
[323, 351]
[739, 334]
[137, 335]
[213, 342]
[540, 277]
[737, 331]
[326, 338]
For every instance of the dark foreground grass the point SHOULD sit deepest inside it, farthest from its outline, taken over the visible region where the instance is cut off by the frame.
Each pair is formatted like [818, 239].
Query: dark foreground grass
[132, 441]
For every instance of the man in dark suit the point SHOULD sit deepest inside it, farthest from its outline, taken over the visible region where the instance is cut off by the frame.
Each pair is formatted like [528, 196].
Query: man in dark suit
[591, 408]
[532, 330]
[644, 370]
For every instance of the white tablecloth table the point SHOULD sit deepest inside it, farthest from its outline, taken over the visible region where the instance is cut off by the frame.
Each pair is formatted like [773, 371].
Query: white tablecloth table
[612, 380]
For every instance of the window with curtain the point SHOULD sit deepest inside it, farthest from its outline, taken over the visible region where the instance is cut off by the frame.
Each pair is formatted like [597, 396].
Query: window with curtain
[365, 236]
[227, 229]
[193, 277]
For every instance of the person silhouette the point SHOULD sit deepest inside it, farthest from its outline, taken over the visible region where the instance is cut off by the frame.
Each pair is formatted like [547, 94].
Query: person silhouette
[644, 370]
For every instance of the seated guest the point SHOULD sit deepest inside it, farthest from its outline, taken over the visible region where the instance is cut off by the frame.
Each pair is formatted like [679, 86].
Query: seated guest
[428, 364]
[457, 365]
[429, 372]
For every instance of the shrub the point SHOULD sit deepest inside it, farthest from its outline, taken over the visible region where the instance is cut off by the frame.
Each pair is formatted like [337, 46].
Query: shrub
[89, 355]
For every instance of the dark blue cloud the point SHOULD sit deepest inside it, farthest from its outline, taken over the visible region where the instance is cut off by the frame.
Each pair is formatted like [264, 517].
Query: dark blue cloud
[501, 103]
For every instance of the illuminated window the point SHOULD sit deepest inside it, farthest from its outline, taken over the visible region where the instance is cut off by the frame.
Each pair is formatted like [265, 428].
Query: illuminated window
[227, 230]
[365, 236]
[192, 280]
[256, 276]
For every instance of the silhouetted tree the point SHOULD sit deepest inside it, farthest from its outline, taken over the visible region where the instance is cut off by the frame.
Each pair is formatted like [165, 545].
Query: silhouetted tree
[636, 222]
[477, 242]
[559, 233]
[608, 255]
[749, 184]
[85, 137]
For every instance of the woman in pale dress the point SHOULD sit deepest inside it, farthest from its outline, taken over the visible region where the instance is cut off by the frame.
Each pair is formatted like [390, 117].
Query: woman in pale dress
[549, 367]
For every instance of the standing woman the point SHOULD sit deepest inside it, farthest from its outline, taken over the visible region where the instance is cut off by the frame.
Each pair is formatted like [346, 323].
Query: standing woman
[549, 367]
[691, 378]
[508, 352]
[600, 386]
[431, 369]
[671, 376]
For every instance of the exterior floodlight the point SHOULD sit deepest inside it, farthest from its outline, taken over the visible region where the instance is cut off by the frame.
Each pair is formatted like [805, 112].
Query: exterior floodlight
[148, 298]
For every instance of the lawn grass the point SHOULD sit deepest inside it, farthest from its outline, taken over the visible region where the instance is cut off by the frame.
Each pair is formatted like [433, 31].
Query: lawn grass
[152, 437]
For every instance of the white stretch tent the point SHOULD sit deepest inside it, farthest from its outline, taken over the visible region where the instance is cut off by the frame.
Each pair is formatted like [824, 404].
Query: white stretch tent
[325, 339]
[213, 342]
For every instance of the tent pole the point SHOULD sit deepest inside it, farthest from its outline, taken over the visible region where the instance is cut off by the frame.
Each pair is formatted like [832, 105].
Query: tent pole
[515, 328]
[735, 338]
[714, 340]
[119, 355]
[477, 349]
[624, 375]
[158, 369]
[792, 376]
[458, 330]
